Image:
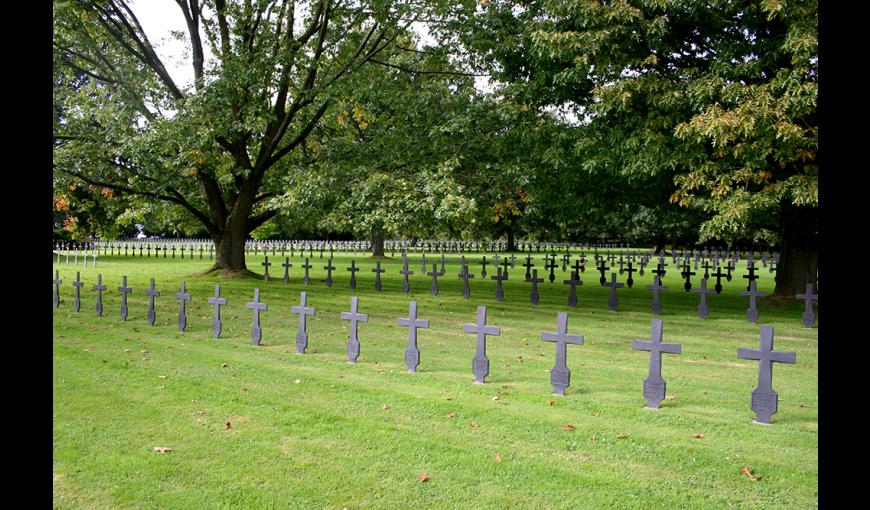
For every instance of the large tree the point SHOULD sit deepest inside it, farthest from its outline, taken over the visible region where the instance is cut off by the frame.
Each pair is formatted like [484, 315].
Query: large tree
[716, 97]
[264, 73]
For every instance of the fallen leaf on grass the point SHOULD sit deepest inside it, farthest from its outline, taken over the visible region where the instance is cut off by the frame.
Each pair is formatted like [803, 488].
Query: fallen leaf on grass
[86, 350]
[670, 397]
[451, 415]
[497, 457]
[473, 424]
[748, 472]
[622, 436]
[229, 425]
[200, 412]
[244, 388]
[551, 402]
[596, 414]
[568, 427]
[448, 398]
[224, 365]
[593, 438]
[384, 407]
[162, 449]
[194, 401]
[127, 350]
[162, 376]
[698, 436]
[803, 405]
[143, 351]
[297, 381]
[495, 397]
[422, 478]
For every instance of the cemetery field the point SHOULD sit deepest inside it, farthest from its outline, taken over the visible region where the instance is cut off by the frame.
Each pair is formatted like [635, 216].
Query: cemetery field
[263, 427]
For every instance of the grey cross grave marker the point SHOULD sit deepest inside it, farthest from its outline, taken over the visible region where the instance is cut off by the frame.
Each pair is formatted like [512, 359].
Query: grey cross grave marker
[535, 281]
[306, 266]
[654, 386]
[124, 290]
[99, 287]
[809, 317]
[256, 306]
[182, 296]
[377, 270]
[764, 400]
[217, 301]
[656, 287]
[57, 281]
[434, 274]
[354, 317]
[329, 268]
[464, 275]
[573, 282]
[266, 264]
[412, 353]
[405, 272]
[498, 277]
[480, 363]
[483, 268]
[613, 302]
[753, 293]
[302, 334]
[560, 375]
[78, 285]
[423, 262]
[353, 269]
[703, 291]
[287, 265]
[151, 293]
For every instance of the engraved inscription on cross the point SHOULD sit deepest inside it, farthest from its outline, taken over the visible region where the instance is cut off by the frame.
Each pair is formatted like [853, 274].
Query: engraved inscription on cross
[764, 400]
[304, 311]
[480, 363]
[412, 353]
[217, 301]
[654, 386]
[560, 375]
[354, 317]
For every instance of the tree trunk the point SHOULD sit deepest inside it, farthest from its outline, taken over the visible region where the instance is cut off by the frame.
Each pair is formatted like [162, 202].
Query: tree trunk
[511, 242]
[798, 251]
[230, 249]
[377, 243]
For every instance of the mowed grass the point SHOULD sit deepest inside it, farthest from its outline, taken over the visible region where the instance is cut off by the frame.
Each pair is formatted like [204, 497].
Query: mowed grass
[273, 429]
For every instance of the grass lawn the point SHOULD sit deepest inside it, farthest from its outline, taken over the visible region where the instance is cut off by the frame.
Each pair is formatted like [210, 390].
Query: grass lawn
[262, 427]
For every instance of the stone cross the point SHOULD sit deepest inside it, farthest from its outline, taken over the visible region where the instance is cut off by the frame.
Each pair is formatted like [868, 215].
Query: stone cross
[151, 293]
[560, 375]
[353, 269]
[287, 265]
[613, 302]
[752, 311]
[124, 290]
[656, 287]
[78, 285]
[687, 274]
[99, 287]
[551, 265]
[435, 274]
[405, 272]
[513, 262]
[57, 281]
[182, 296]
[573, 282]
[412, 353]
[808, 297]
[306, 266]
[660, 270]
[302, 334]
[201, 249]
[329, 268]
[480, 363]
[703, 291]
[423, 262]
[377, 270]
[764, 400]
[579, 266]
[266, 264]
[67, 256]
[504, 263]
[654, 386]
[729, 267]
[630, 270]
[718, 275]
[464, 275]
[173, 251]
[499, 276]
[256, 306]
[217, 301]
[751, 276]
[76, 259]
[354, 317]
[535, 281]
[528, 265]
[483, 268]
[603, 267]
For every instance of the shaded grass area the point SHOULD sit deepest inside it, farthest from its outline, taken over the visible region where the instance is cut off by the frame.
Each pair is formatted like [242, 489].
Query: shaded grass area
[360, 435]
